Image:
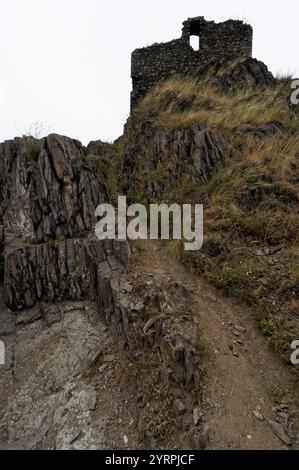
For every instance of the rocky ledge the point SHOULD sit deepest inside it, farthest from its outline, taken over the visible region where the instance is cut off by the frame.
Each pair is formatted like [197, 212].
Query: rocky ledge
[48, 196]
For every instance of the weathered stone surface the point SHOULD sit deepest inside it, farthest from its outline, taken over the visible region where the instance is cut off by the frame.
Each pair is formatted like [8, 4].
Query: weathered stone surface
[243, 74]
[225, 41]
[57, 271]
[1, 253]
[261, 133]
[46, 191]
[48, 195]
[169, 333]
[1, 239]
[280, 432]
[192, 153]
[44, 396]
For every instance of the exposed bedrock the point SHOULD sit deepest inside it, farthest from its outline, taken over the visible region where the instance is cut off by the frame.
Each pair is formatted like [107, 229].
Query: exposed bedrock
[246, 73]
[192, 152]
[47, 190]
[150, 316]
[57, 271]
[48, 196]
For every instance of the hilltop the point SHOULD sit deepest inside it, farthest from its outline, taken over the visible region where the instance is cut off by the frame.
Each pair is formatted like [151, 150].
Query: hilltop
[123, 345]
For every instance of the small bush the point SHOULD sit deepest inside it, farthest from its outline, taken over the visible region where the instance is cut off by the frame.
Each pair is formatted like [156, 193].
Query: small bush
[33, 148]
[200, 346]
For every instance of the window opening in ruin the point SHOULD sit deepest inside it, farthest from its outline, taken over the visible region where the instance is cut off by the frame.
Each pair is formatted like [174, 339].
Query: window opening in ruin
[194, 42]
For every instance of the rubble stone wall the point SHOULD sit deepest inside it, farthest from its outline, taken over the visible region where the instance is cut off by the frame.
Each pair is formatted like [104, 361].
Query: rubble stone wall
[227, 41]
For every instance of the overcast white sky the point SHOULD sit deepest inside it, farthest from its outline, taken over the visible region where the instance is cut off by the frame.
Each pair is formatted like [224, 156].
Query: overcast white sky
[67, 62]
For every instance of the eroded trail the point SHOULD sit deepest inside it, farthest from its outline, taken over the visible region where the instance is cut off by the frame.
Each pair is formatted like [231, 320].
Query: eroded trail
[250, 398]
[67, 384]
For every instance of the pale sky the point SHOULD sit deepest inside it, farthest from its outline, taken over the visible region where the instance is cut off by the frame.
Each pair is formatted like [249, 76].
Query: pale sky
[67, 62]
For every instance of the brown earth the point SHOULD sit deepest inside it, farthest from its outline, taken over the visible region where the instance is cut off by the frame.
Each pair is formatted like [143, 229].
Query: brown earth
[245, 380]
[67, 383]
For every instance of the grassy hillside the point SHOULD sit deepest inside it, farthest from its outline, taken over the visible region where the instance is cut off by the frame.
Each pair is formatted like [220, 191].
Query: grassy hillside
[251, 247]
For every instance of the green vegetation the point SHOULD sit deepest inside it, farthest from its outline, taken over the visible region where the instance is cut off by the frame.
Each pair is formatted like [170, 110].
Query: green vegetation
[200, 346]
[33, 148]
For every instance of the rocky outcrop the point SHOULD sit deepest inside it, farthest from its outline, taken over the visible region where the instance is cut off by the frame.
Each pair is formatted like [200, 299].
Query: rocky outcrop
[100, 148]
[156, 160]
[151, 316]
[48, 195]
[246, 73]
[46, 190]
[57, 271]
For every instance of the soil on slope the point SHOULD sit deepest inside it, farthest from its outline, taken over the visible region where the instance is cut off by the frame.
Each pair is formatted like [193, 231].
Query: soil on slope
[67, 384]
[249, 396]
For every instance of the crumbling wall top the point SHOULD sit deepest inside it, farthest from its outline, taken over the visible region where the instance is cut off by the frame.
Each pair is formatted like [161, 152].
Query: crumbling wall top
[226, 41]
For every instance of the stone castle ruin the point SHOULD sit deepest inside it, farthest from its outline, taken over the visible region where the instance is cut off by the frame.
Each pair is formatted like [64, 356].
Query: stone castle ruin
[223, 42]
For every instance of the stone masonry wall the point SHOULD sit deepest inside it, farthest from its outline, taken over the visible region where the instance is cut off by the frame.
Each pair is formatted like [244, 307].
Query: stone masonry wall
[223, 42]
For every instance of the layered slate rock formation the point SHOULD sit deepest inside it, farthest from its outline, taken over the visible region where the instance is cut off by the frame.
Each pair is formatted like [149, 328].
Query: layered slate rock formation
[56, 271]
[48, 197]
[46, 190]
[150, 316]
[155, 154]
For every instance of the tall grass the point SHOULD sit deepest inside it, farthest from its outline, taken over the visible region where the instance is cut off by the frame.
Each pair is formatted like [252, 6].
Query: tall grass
[213, 108]
[251, 202]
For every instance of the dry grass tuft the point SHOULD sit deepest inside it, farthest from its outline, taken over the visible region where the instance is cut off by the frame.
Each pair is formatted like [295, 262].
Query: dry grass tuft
[251, 222]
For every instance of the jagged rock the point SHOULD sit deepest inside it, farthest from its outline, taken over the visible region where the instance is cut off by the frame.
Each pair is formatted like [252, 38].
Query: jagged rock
[268, 130]
[29, 316]
[245, 73]
[46, 192]
[1, 239]
[258, 415]
[55, 272]
[1, 253]
[197, 415]
[192, 152]
[100, 149]
[280, 432]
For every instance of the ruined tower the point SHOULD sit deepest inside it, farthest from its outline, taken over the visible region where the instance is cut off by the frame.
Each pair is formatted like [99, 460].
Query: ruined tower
[225, 41]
